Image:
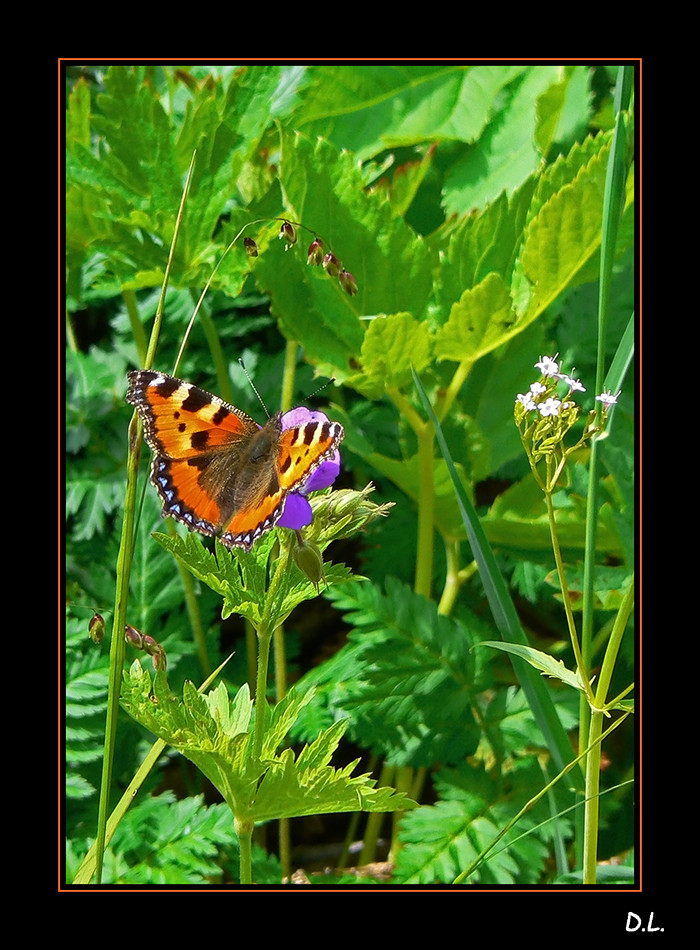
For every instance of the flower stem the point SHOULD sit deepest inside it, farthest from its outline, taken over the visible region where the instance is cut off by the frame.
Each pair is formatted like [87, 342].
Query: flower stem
[265, 632]
[591, 807]
[565, 594]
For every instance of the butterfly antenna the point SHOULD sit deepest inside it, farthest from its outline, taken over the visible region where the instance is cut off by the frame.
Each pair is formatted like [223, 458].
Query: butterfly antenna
[252, 386]
[320, 388]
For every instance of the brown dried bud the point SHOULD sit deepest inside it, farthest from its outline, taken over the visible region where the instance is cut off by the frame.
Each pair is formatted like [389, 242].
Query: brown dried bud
[147, 643]
[288, 233]
[331, 264]
[96, 628]
[348, 282]
[315, 255]
[133, 637]
[251, 248]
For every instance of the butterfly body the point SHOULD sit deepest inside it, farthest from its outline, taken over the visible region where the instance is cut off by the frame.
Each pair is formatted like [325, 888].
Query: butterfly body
[216, 470]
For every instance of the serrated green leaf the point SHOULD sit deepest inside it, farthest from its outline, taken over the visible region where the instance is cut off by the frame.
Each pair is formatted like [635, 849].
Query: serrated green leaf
[241, 578]
[233, 717]
[311, 787]
[123, 201]
[482, 319]
[325, 190]
[393, 344]
[508, 151]
[440, 841]
[209, 730]
[567, 230]
[373, 108]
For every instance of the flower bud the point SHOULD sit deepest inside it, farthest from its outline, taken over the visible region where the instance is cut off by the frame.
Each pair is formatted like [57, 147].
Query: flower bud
[133, 637]
[150, 645]
[307, 557]
[348, 282]
[344, 512]
[96, 628]
[147, 643]
[288, 234]
[315, 255]
[251, 248]
[331, 264]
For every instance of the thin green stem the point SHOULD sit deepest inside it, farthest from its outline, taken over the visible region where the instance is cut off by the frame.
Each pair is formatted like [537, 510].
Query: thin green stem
[613, 204]
[453, 580]
[375, 819]
[425, 434]
[137, 329]
[426, 512]
[444, 402]
[613, 647]
[571, 622]
[591, 819]
[223, 380]
[591, 812]
[265, 633]
[264, 641]
[194, 615]
[412, 417]
[290, 364]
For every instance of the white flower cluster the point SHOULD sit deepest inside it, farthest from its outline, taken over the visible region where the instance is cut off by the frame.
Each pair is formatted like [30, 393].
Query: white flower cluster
[549, 367]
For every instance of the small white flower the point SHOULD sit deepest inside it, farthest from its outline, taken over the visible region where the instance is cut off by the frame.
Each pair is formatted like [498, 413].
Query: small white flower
[548, 366]
[527, 400]
[537, 389]
[608, 399]
[550, 407]
[575, 385]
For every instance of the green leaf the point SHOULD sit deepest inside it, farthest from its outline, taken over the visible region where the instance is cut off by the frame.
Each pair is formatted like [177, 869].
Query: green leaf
[441, 840]
[162, 840]
[509, 150]
[482, 319]
[123, 202]
[565, 230]
[543, 662]
[241, 578]
[325, 190]
[372, 108]
[393, 344]
[214, 733]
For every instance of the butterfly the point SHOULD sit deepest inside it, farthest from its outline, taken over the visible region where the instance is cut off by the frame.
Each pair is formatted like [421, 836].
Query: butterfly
[219, 472]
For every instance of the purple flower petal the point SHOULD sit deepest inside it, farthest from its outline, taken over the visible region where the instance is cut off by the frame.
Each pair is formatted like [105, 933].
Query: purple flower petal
[297, 512]
[300, 416]
[324, 476]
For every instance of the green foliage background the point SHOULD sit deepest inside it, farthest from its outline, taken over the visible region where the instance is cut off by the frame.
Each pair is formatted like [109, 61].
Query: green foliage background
[466, 200]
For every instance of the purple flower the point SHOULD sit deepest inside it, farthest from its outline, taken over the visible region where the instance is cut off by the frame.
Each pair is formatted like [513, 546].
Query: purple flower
[297, 510]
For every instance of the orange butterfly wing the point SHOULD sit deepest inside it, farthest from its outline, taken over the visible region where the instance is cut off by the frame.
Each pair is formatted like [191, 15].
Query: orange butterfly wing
[215, 469]
[186, 427]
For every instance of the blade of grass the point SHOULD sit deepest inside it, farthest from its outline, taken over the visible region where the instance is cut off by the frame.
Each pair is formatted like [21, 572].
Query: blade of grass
[124, 559]
[613, 205]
